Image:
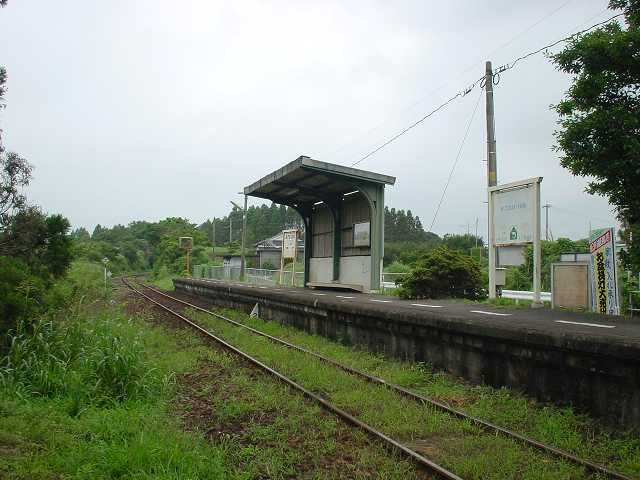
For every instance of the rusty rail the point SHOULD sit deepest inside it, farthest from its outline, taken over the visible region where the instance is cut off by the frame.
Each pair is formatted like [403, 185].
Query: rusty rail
[485, 425]
[386, 440]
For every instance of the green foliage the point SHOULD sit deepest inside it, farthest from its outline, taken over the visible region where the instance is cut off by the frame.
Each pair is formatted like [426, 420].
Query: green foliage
[105, 415]
[21, 294]
[600, 115]
[463, 243]
[521, 278]
[401, 226]
[15, 173]
[262, 222]
[443, 273]
[93, 362]
[397, 267]
[41, 241]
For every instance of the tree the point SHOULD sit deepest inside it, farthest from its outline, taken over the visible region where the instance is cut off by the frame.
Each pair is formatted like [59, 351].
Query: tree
[15, 173]
[41, 241]
[599, 135]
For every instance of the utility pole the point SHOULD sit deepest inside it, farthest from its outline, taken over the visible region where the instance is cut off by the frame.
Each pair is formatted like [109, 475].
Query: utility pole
[230, 227]
[546, 207]
[476, 232]
[244, 236]
[492, 174]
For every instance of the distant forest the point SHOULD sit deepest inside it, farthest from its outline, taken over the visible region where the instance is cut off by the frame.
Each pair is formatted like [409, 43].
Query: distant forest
[142, 245]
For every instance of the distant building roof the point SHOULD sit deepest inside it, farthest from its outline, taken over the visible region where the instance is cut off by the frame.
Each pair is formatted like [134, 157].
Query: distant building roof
[274, 242]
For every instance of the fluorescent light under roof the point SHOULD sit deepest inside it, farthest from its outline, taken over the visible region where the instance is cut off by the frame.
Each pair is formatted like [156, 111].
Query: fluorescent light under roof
[350, 193]
[319, 203]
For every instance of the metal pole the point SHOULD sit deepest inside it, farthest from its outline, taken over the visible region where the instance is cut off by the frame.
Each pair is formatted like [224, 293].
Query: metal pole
[546, 221]
[244, 234]
[213, 239]
[492, 176]
[537, 251]
[476, 232]
[230, 226]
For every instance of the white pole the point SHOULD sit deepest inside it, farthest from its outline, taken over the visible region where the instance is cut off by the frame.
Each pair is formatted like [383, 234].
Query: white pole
[537, 250]
[491, 250]
[492, 173]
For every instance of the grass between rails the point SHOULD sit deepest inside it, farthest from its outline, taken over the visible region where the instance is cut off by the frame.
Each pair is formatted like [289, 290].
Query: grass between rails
[477, 456]
[105, 394]
[455, 444]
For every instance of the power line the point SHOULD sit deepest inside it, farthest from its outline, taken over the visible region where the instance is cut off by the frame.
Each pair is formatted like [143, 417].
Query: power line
[453, 167]
[461, 93]
[510, 65]
[412, 105]
[480, 81]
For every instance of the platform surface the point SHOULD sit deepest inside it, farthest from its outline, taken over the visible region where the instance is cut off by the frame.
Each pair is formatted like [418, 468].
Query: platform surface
[556, 323]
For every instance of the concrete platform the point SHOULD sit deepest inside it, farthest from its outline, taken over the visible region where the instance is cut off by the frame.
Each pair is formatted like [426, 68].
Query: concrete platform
[589, 361]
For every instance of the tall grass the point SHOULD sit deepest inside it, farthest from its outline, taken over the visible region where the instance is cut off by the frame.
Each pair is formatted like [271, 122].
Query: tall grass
[93, 361]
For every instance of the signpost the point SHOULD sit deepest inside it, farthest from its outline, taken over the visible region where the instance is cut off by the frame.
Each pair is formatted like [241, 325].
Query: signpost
[289, 251]
[514, 219]
[105, 262]
[604, 284]
[186, 243]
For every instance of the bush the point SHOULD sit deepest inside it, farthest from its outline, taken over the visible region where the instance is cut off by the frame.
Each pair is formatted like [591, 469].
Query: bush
[397, 267]
[83, 283]
[20, 294]
[443, 273]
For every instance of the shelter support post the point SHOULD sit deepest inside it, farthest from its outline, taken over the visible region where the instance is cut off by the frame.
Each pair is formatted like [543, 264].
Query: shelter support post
[375, 196]
[337, 240]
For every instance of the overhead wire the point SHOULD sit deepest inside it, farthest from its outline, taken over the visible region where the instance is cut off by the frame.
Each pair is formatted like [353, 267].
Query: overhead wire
[510, 65]
[455, 163]
[412, 105]
[461, 93]
[480, 81]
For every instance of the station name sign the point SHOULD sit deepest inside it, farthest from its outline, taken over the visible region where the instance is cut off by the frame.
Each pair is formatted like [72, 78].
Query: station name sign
[514, 215]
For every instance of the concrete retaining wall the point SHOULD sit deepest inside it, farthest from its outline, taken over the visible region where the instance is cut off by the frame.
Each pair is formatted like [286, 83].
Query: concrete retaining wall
[602, 379]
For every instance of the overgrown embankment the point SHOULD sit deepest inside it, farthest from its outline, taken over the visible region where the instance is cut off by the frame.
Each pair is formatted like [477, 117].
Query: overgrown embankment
[97, 390]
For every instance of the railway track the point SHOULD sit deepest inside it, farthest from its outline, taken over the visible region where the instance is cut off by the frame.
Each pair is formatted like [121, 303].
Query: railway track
[389, 442]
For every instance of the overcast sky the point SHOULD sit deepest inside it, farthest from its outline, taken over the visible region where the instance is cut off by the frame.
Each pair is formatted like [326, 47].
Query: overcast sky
[140, 109]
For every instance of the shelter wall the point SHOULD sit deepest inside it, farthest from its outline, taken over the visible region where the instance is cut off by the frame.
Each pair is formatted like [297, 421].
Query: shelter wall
[356, 270]
[322, 232]
[354, 209]
[321, 270]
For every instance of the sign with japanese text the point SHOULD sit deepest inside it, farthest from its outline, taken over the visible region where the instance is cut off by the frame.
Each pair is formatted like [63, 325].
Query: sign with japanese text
[289, 243]
[604, 285]
[514, 215]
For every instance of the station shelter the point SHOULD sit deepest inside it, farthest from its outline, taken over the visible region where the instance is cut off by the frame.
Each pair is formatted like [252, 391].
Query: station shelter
[343, 213]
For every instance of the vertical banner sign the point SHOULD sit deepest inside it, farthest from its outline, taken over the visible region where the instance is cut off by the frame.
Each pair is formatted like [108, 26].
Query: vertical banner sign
[604, 285]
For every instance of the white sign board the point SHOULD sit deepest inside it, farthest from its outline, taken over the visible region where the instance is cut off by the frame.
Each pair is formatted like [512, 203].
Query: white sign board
[289, 243]
[362, 234]
[514, 215]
